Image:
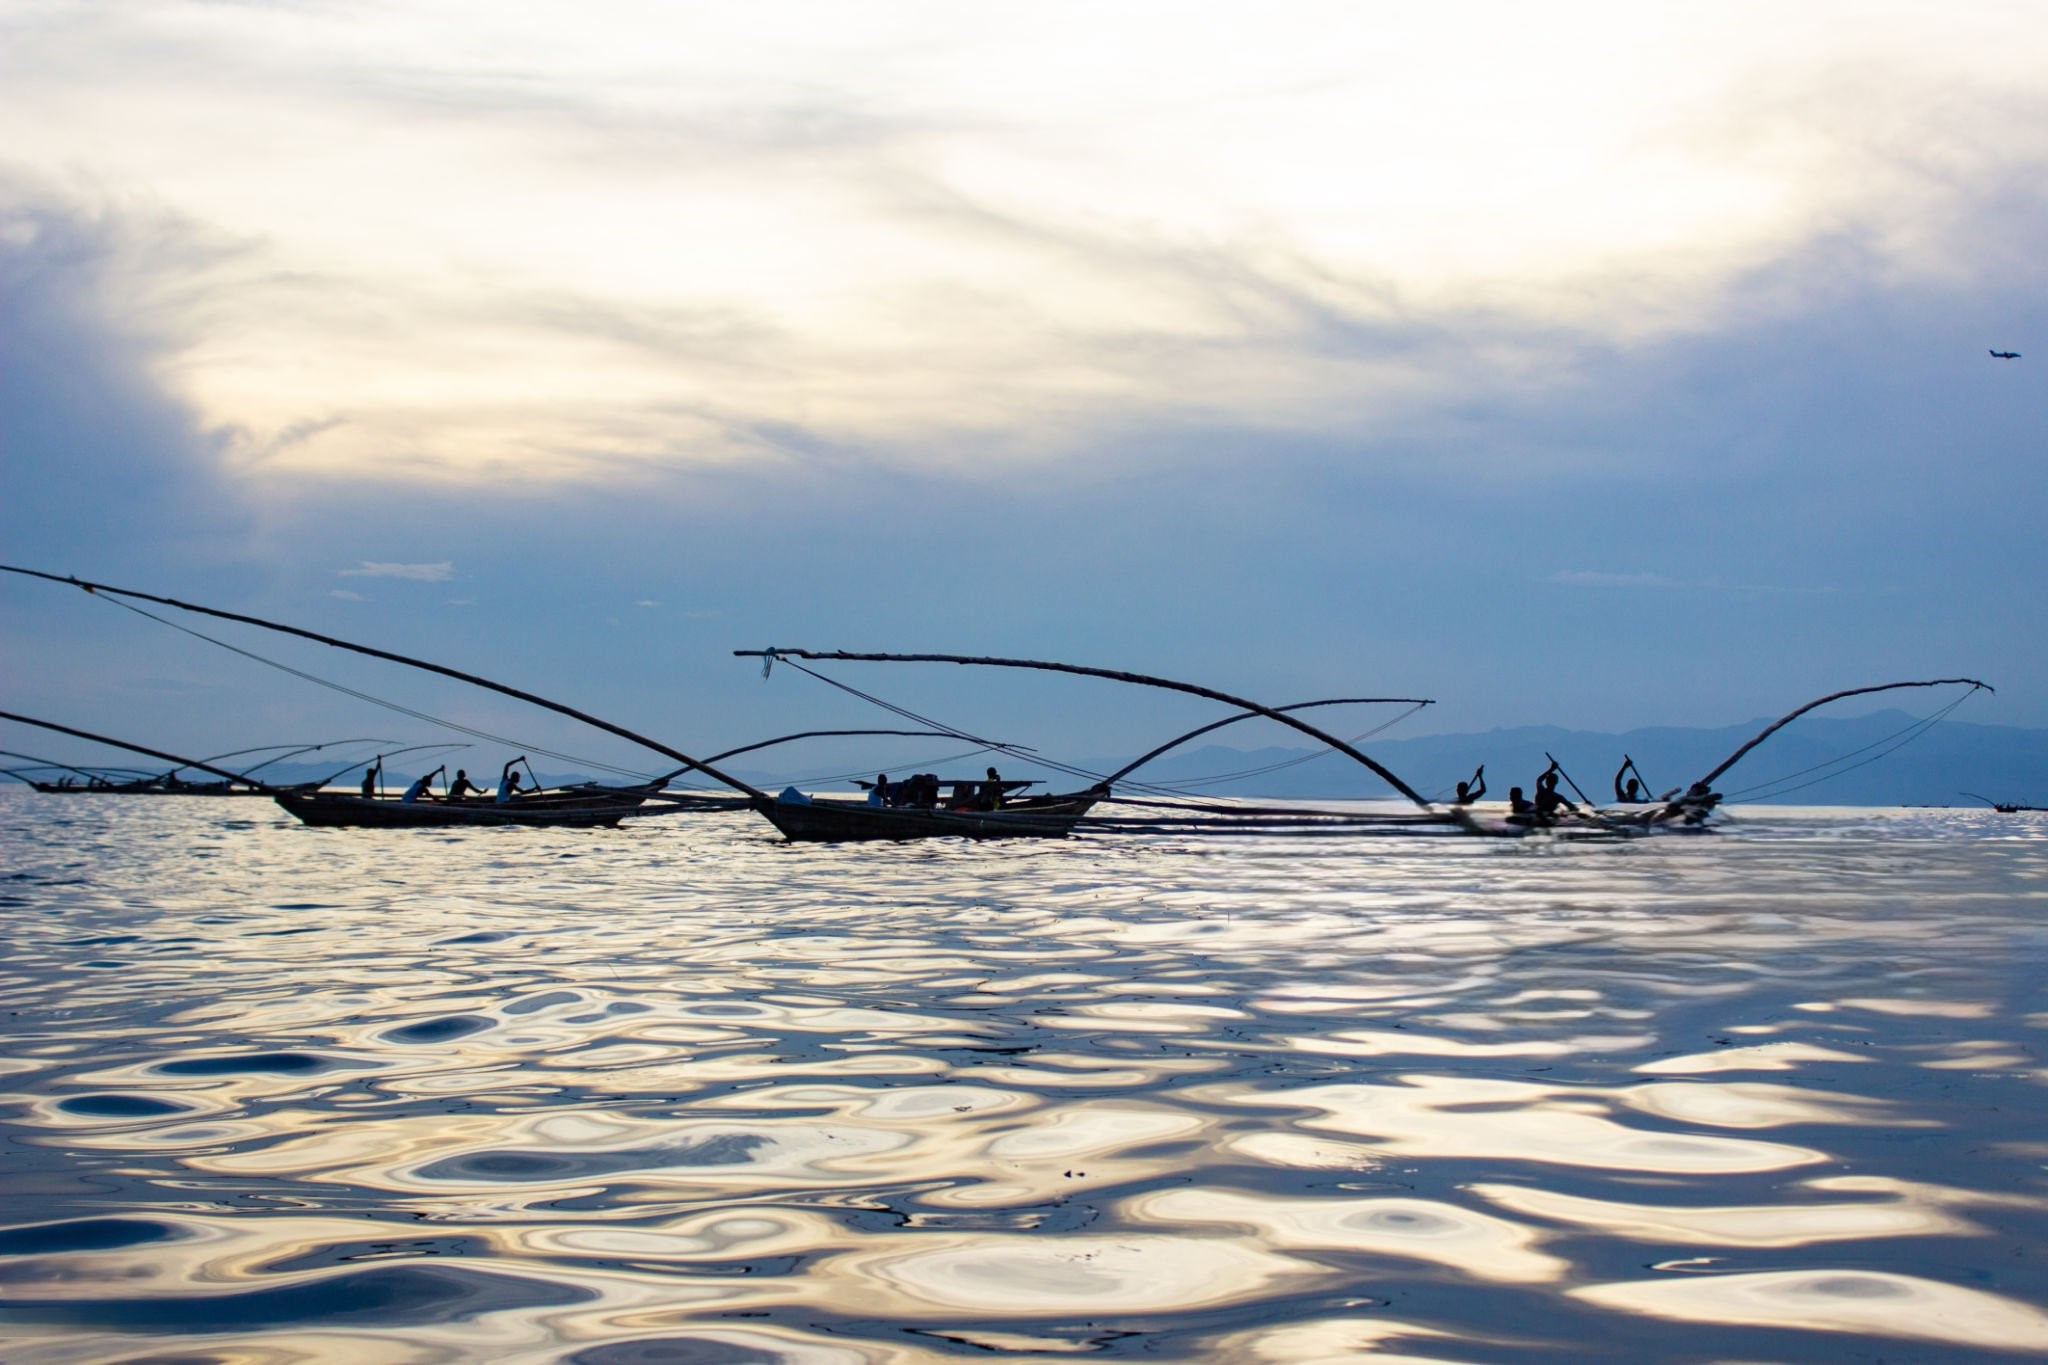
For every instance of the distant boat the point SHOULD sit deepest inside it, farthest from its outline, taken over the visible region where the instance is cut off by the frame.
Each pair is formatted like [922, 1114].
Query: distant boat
[2003, 807]
[230, 783]
[160, 786]
[2006, 355]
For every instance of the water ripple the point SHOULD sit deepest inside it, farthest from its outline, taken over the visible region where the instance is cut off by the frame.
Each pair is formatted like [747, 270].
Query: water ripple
[679, 1091]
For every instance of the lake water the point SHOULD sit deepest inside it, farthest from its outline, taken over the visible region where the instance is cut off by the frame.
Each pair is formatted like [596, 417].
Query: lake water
[683, 1092]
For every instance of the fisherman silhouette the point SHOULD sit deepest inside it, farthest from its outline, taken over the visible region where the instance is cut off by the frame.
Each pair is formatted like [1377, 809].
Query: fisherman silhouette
[371, 776]
[508, 784]
[1517, 805]
[1468, 792]
[878, 795]
[420, 789]
[1631, 792]
[462, 786]
[1549, 800]
[992, 792]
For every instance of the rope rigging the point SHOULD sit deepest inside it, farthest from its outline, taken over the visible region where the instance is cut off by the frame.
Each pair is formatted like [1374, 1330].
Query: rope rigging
[1159, 789]
[1309, 757]
[1840, 765]
[374, 700]
[1016, 751]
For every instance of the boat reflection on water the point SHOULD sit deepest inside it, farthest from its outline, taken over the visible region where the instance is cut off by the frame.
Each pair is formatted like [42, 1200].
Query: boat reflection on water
[684, 1090]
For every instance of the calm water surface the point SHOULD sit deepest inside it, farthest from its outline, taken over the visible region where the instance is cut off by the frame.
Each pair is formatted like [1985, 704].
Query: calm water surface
[683, 1092]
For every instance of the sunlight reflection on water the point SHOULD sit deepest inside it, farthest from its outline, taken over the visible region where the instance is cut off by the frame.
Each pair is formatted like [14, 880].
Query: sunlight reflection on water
[680, 1091]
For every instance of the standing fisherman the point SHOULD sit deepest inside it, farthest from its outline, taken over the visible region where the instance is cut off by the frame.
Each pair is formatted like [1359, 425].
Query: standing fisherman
[372, 775]
[1468, 792]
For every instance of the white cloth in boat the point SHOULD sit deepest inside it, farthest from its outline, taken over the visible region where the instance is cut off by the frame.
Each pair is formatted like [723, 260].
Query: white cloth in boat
[412, 793]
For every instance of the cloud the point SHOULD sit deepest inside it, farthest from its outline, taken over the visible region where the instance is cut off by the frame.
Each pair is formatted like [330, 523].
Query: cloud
[928, 254]
[343, 594]
[1586, 578]
[94, 311]
[419, 573]
[647, 602]
[1583, 578]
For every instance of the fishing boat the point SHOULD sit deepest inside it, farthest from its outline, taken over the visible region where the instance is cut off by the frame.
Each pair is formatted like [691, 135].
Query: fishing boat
[225, 777]
[163, 785]
[1690, 808]
[1048, 816]
[568, 809]
[599, 814]
[2004, 807]
[824, 819]
[103, 782]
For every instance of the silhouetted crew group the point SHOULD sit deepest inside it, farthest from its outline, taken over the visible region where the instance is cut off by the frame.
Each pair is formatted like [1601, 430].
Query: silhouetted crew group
[921, 791]
[422, 788]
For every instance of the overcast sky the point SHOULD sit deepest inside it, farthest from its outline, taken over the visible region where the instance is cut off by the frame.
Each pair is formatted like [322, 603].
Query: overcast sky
[1599, 364]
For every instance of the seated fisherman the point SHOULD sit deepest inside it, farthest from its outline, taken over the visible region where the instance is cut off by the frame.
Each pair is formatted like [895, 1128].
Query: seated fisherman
[1517, 804]
[1468, 792]
[462, 786]
[878, 795]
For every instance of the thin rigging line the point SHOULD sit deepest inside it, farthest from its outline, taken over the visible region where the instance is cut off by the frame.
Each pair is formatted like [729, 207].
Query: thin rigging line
[1156, 789]
[1910, 733]
[365, 696]
[1298, 759]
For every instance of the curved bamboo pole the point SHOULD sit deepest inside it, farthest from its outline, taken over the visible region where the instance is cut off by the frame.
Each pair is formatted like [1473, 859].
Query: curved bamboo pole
[310, 748]
[1791, 716]
[1199, 731]
[181, 761]
[807, 734]
[1115, 675]
[422, 664]
[82, 772]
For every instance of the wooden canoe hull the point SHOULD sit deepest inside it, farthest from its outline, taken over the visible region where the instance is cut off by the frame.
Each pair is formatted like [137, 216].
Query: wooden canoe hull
[335, 809]
[185, 789]
[827, 821]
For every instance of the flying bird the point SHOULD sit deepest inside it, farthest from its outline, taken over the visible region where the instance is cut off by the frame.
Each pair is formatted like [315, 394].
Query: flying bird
[2006, 355]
